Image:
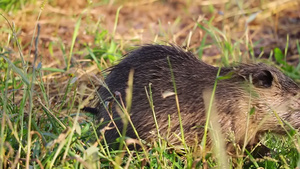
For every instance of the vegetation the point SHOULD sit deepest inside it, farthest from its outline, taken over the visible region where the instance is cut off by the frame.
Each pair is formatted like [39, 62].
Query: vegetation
[49, 72]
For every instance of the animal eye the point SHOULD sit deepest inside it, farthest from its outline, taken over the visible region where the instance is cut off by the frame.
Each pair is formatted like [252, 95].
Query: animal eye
[262, 78]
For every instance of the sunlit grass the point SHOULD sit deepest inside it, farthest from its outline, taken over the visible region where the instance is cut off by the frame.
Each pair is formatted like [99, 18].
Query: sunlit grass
[42, 125]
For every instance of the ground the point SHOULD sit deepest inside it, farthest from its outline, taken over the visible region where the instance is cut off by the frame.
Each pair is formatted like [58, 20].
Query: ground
[80, 38]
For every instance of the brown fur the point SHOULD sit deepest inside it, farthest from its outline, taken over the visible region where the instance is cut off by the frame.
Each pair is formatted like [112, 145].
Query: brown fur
[248, 86]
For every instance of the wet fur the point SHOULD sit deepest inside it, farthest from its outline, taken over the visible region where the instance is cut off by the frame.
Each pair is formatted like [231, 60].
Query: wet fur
[250, 86]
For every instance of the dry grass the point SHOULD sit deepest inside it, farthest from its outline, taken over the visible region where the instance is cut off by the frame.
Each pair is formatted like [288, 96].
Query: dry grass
[231, 30]
[140, 22]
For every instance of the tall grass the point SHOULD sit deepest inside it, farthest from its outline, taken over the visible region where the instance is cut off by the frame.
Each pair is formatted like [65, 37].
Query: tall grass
[40, 129]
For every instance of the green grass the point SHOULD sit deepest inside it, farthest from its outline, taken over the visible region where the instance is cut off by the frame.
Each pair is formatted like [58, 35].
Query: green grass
[13, 5]
[40, 129]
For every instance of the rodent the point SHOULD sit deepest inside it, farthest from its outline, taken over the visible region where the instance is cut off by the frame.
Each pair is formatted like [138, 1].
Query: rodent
[255, 88]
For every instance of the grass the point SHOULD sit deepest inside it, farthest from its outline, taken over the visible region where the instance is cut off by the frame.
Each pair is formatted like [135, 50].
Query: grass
[42, 125]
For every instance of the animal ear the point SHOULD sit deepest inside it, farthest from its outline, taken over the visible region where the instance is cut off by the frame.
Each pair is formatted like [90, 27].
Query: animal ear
[262, 78]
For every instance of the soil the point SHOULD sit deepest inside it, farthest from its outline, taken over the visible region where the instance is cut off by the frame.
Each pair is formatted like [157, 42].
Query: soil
[140, 22]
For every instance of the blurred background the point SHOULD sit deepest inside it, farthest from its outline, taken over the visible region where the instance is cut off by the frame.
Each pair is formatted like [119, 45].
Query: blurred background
[109, 26]
[53, 53]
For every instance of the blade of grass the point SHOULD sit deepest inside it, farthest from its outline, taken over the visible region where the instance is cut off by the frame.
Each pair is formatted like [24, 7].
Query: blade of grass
[53, 69]
[3, 126]
[125, 120]
[68, 88]
[94, 58]
[75, 124]
[204, 139]
[18, 44]
[150, 99]
[202, 46]
[116, 21]
[286, 49]
[75, 34]
[18, 71]
[30, 94]
[177, 103]
[36, 25]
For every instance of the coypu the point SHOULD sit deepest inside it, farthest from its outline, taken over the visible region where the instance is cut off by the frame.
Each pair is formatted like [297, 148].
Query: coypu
[256, 88]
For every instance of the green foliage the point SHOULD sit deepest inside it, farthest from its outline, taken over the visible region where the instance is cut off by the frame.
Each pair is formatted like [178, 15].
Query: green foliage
[8, 5]
[106, 49]
[288, 69]
[50, 131]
